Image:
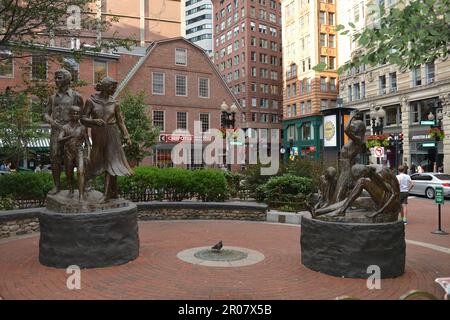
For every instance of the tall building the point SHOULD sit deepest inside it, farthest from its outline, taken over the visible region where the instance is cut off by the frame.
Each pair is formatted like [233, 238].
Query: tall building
[199, 22]
[407, 97]
[309, 38]
[247, 51]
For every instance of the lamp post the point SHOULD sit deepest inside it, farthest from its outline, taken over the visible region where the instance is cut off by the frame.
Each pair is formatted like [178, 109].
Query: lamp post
[227, 121]
[377, 115]
[431, 117]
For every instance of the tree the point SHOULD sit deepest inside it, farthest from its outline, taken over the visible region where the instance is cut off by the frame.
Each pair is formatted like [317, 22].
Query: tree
[407, 35]
[142, 133]
[20, 121]
[32, 24]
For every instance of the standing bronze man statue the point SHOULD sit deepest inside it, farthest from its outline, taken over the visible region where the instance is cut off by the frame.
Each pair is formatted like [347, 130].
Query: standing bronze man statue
[57, 115]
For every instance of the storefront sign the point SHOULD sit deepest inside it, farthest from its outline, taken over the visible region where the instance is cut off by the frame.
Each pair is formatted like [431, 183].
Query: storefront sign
[182, 137]
[330, 132]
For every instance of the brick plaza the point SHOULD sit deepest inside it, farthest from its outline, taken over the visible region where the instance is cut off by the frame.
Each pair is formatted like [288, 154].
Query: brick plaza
[159, 274]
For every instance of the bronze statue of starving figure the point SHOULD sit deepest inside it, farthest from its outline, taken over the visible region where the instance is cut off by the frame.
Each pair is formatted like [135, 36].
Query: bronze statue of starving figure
[76, 143]
[57, 115]
[383, 189]
[103, 115]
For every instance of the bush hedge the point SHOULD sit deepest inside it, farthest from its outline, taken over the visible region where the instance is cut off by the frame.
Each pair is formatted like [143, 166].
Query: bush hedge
[174, 184]
[286, 192]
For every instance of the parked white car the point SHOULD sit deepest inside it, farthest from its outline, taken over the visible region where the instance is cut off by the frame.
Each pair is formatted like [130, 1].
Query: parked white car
[425, 184]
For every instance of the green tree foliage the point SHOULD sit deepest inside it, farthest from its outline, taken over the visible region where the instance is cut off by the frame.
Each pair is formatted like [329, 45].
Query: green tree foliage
[142, 133]
[407, 35]
[31, 23]
[20, 120]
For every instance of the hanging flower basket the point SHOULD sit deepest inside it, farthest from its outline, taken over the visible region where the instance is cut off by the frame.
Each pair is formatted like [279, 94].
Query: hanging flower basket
[436, 133]
[377, 141]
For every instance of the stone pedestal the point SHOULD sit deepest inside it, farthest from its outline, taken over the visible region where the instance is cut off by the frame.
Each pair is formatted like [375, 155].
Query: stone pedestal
[347, 249]
[96, 239]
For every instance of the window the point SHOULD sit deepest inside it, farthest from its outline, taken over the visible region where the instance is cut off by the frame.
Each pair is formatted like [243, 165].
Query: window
[357, 91]
[203, 87]
[6, 64]
[323, 104]
[430, 70]
[382, 84]
[323, 40]
[391, 116]
[417, 77]
[322, 17]
[331, 63]
[323, 84]
[332, 41]
[180, 57]
[204, 119]
[393, 78]
[350, 93]
[39, 67]
[100, 70]
[182, 120]
[308, 106]
[306, 131]
[254, 102]
[180, 85]
[158, 83]
[331, 19]
[158, 120]
[333, 85]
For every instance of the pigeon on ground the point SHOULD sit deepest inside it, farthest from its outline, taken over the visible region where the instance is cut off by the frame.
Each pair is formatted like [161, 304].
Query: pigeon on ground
[218, 246]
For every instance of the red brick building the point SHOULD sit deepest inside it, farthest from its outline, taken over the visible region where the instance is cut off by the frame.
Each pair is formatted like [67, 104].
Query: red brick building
[247, 52]
[182, 86]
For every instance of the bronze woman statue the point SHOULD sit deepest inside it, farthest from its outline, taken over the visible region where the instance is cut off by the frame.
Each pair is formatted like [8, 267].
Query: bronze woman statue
[103, 115]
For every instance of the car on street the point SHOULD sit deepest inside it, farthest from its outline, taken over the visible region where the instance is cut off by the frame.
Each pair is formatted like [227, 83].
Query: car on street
[425, 184]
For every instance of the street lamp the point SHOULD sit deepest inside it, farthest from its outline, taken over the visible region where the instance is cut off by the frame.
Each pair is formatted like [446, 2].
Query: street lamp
[228, 117]
[432, 117]
[377, 114]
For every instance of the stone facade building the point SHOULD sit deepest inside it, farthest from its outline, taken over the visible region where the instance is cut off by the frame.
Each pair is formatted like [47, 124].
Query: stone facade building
[408, 97]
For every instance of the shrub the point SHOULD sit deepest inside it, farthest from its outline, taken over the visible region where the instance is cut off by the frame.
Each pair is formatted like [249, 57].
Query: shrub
[287, 191]
[6, 203]
[234, 184]
[210, 185]
[302, 167]
[253, 179]
[26, 185]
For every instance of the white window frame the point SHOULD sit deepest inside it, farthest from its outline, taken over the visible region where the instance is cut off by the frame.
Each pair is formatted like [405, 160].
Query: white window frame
[187, 122]
[186, 58]
[180, 95]
[164, 119]
[13, 65]
[209, 88]
[209, 122]
[46, 70]
[164, 84]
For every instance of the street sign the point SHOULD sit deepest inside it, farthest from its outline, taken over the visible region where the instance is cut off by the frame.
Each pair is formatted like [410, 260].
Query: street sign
[427, 123]
[429, 144]
[439, 195]
[379, 152]
[236, 143]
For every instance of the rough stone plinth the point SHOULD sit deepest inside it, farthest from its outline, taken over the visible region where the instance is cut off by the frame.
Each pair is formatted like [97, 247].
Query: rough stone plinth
[348, 249]
[89, 240]
[63, 203]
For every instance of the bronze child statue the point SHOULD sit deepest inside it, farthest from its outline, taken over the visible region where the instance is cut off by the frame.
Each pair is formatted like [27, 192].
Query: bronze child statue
[76, 143]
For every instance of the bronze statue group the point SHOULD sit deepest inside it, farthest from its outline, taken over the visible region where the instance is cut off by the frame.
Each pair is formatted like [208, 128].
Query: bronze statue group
[343, 193]
[70, 118]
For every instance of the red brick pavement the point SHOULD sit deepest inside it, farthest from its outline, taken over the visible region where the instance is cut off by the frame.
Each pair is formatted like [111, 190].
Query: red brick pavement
[159, 274]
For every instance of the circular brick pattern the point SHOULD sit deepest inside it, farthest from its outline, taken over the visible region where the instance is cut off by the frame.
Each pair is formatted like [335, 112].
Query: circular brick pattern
[158, 274]
[233, 257]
